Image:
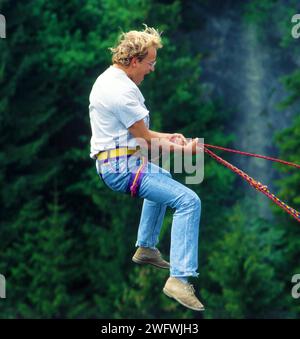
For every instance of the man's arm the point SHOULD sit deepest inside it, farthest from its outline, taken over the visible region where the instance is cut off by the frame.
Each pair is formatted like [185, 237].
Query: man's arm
[140, 130]
[160, 134]
[177, 138]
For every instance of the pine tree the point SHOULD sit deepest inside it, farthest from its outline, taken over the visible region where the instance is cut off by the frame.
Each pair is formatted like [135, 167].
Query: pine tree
[242, 267]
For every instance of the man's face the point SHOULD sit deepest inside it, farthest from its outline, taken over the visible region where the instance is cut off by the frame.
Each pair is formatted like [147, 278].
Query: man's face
[144, 67]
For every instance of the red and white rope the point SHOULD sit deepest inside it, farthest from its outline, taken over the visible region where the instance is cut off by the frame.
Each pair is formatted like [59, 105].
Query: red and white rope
[254, 183]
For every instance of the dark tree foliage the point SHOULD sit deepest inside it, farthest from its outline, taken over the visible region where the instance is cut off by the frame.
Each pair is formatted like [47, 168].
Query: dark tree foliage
[66, 239]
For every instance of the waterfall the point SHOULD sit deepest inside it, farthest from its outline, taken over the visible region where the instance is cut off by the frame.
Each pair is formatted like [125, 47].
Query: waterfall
[245, 70]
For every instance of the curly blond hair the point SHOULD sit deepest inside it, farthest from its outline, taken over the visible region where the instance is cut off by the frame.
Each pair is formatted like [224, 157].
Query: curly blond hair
[135, 44]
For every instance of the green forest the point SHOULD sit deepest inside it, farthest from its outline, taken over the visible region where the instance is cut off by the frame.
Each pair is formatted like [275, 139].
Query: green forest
[66, 240]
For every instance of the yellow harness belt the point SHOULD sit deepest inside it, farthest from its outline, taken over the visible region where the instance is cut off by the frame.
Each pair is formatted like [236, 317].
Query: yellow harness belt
[115, 153]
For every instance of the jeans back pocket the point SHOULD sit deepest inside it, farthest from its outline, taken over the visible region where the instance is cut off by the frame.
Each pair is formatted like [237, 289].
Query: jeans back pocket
[115, 174]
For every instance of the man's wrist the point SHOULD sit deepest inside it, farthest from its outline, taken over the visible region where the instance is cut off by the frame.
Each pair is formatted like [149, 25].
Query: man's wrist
[160, 135]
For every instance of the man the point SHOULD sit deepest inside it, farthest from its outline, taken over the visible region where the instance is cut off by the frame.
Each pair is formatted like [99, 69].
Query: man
[120, 124]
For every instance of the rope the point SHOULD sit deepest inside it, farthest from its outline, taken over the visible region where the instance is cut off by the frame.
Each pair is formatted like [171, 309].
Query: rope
[253, 155]
[254, 183]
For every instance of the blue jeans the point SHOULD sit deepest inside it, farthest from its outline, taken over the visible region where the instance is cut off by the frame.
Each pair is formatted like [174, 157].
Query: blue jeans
[159, 190]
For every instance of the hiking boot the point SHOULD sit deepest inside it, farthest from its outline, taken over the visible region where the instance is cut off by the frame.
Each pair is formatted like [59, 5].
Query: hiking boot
[145, 255]
[183, 293]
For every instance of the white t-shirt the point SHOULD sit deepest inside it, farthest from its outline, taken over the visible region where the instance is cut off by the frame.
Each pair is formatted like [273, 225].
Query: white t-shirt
[116, 103]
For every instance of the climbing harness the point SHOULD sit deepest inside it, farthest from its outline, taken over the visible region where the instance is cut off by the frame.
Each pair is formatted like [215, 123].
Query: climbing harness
[119, 152]
[254, 183]
[115, 153]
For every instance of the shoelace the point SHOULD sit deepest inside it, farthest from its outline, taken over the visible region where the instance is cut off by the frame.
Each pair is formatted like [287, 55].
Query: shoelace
[158, 252]
[190, 288]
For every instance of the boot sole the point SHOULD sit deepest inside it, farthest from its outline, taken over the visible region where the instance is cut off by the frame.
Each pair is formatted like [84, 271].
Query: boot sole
[141, 262]
[181, 302]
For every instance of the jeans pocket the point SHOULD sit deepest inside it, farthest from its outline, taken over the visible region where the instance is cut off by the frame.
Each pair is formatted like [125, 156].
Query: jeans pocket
[117, 182]
[115, 174]
[107, 167]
